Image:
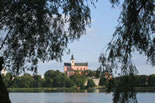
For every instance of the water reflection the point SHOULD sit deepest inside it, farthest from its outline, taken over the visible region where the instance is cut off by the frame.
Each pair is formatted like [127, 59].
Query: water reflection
[76, 102]
[60, 97]
[73, 97]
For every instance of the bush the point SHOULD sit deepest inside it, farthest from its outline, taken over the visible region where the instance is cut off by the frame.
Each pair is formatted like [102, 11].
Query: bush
[90, 83]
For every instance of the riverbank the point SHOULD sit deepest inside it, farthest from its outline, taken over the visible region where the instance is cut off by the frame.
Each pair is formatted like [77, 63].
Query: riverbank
[54, 90]
[96, 90]
[145, 89]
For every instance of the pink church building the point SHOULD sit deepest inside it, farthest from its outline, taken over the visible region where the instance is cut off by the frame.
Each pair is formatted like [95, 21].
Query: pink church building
[72, 68]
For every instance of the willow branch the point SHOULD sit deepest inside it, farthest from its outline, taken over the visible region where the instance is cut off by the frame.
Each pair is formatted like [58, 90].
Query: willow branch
[143, 5]
[3, 42]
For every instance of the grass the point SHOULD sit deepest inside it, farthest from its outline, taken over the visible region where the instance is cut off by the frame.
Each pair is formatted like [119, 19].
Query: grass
[145, 89]
[54, 90]
[138, 89]
[43, 90]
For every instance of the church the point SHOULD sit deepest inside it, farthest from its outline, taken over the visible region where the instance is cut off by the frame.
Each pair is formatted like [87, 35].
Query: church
[72, 68]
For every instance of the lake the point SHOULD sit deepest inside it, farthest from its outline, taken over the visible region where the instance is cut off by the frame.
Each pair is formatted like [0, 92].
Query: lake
[62, 97]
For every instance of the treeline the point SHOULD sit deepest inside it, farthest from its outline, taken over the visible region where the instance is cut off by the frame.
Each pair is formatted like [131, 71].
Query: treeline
[51, 79]
[145, 81]
[139, 80]
[58, 79]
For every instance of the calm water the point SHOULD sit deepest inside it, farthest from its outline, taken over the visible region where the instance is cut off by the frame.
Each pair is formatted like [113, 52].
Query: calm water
[73, 97]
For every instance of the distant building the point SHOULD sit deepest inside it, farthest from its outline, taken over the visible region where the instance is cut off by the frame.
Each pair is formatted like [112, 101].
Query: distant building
[72, 68]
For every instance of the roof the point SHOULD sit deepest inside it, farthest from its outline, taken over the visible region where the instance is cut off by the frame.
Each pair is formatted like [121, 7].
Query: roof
[67, 64]
[81, 64]
[76, 64]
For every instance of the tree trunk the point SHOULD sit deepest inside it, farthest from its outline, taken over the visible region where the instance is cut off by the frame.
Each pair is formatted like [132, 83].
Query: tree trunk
[4, 95]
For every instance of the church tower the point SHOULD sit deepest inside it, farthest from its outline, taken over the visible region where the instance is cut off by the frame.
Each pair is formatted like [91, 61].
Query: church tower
[72, 61]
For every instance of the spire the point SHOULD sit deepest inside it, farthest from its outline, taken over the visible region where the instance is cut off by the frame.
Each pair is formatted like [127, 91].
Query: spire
[72, 61]
[72, 57]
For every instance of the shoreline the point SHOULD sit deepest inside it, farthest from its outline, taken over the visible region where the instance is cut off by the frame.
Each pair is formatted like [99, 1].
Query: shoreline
[93, 90]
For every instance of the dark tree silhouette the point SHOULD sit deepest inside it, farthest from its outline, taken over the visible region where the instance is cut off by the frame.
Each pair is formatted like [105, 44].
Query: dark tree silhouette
[4, 97]
[38, 30]
[135, 32]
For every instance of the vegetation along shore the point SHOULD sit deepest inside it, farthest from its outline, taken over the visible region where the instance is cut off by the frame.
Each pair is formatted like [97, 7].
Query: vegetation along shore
[56, 81]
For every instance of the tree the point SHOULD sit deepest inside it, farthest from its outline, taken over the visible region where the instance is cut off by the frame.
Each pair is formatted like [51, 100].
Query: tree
[37, 81]
[141, 80]
[7, 79]
[124, 91]
[49, 75]
[35, 31]
[79, 80]
[90, 83]
[135, 32]
[90, 73]
[4, 97]
[57, 79]
[25, 81]
[151, 80]
[52, 79]
[69, 83]
[103, 81]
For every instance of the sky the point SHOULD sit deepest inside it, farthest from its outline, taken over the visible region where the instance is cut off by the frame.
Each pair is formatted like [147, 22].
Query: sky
[89, 47]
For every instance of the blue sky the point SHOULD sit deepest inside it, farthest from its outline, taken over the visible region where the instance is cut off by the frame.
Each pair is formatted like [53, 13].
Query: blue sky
[89, 47]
